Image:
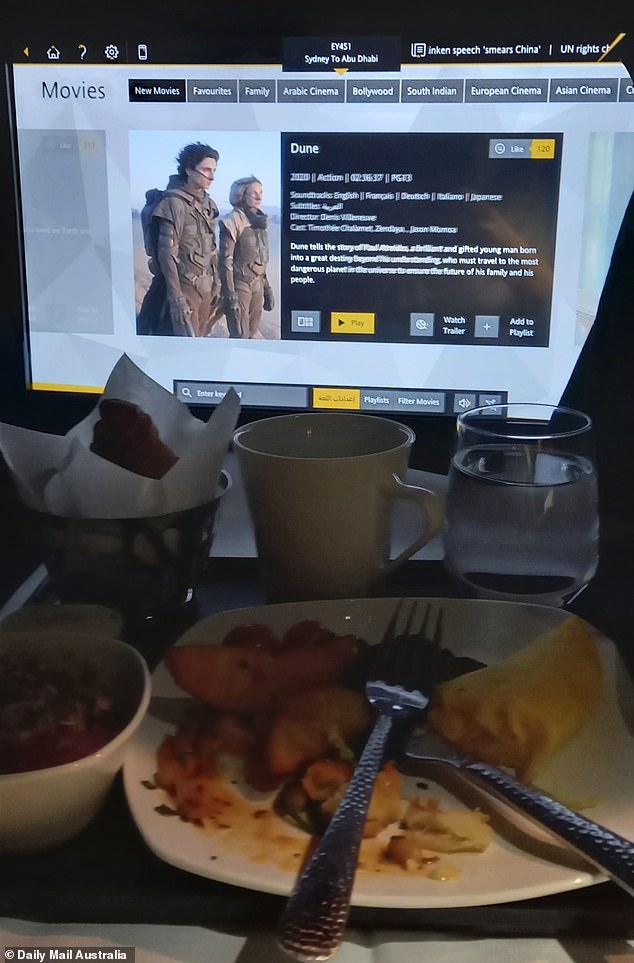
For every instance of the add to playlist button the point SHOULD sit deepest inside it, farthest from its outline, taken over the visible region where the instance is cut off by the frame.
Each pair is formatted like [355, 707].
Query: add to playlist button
[352, 322]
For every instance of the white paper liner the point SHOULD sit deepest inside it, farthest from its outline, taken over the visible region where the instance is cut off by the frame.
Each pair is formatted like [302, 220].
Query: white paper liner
[60, 475]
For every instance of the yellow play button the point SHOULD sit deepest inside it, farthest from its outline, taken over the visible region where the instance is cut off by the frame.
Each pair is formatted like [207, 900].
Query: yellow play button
[352, 322]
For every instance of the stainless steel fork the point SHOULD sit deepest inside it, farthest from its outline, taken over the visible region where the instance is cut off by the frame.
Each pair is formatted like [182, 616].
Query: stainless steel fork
[610, 853]
[403, 672]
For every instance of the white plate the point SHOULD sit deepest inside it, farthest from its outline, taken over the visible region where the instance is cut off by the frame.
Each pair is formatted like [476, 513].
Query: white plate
[522, 861]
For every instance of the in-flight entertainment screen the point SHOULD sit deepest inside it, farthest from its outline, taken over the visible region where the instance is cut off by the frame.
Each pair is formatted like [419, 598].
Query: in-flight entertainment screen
[431, 228]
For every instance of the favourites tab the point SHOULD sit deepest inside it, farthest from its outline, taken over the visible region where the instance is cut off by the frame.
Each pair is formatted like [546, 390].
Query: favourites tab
[212, 91]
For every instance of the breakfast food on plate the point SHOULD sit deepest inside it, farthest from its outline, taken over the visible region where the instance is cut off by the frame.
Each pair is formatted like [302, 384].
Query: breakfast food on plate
[428, 829]
[51, 713]
[282, 716]
[127, 436]
[518, 712]
[271, 746]
[310, 724]
[255, 672]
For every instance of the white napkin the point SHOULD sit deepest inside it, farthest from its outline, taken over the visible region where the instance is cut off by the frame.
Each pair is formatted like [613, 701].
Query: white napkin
[60, 475]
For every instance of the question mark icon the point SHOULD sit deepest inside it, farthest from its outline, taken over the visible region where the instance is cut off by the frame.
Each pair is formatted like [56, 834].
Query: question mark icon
[82, 49]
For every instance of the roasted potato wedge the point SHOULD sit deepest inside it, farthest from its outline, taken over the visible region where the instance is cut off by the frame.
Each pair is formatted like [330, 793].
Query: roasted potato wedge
[251, 679]
[311, 722]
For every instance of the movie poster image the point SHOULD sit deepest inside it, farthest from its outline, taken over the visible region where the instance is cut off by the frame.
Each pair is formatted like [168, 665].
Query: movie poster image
[229, 250]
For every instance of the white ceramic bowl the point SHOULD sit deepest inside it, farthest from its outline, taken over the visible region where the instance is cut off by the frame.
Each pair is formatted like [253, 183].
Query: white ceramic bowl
[47, 806]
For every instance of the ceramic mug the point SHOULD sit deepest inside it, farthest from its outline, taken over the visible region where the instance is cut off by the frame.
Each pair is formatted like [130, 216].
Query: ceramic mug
[321, 489]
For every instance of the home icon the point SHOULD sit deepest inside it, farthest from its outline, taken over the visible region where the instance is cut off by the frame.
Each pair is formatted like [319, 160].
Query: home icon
[53, 53]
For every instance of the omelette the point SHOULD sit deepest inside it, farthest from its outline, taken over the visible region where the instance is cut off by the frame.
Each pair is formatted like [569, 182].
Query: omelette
[521, 710]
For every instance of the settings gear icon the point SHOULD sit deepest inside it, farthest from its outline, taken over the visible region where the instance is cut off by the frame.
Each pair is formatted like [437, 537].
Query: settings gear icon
[111, 51]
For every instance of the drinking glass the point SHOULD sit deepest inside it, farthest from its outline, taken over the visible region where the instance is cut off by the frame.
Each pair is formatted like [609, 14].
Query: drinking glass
[521, 516]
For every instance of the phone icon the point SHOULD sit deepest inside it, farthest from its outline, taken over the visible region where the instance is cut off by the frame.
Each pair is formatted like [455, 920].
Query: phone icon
[141, 51]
